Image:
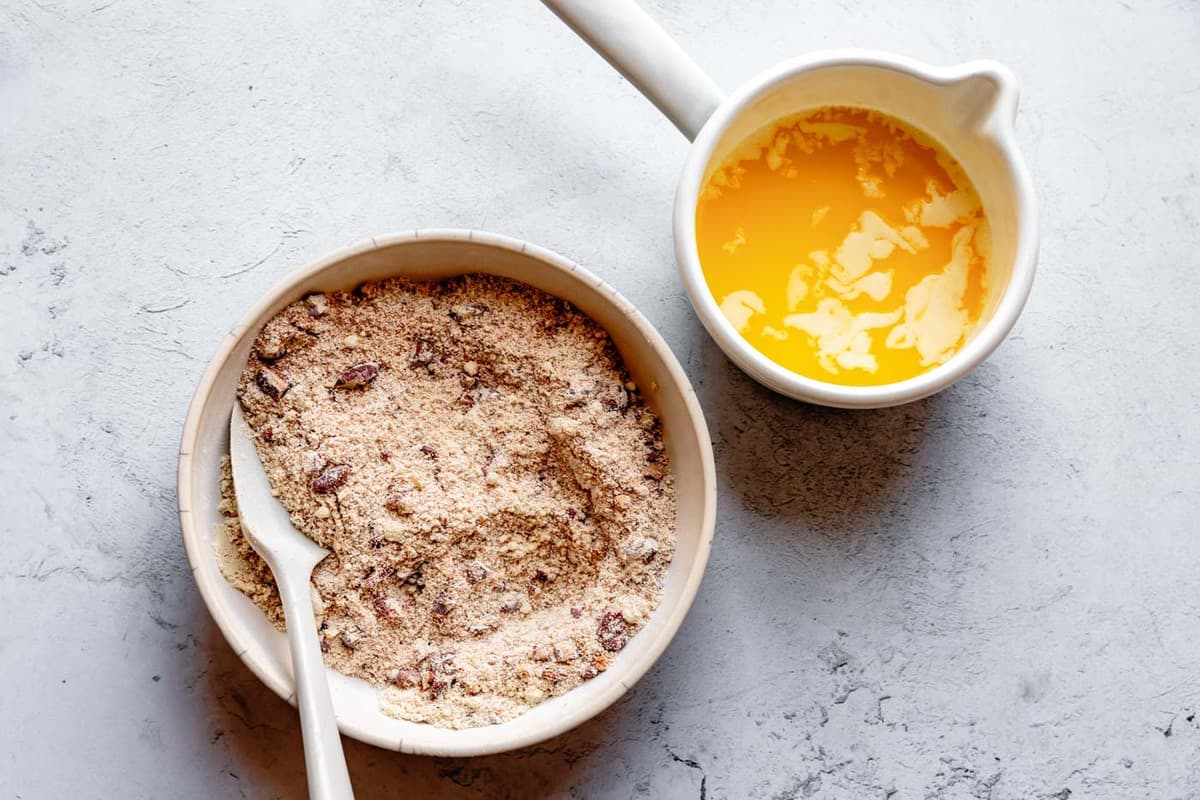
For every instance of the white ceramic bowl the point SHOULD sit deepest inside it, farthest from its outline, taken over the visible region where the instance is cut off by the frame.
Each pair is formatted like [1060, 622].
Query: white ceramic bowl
[429, 254]
[969, 109]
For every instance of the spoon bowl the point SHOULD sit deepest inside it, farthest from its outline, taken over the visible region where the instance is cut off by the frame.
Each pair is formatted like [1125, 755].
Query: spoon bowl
[265, 522]
[291, 556]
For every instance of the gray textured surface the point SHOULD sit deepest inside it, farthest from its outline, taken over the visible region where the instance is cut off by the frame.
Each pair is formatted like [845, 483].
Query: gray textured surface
[988, 594]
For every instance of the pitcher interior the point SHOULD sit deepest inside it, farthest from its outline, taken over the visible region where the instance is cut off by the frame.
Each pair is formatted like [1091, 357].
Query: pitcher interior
[958, 114]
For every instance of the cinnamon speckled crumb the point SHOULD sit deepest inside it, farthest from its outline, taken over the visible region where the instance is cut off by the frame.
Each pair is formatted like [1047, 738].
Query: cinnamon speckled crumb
[494, 490]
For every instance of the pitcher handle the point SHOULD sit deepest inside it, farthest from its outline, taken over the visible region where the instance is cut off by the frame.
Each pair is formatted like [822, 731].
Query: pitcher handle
[633, 43]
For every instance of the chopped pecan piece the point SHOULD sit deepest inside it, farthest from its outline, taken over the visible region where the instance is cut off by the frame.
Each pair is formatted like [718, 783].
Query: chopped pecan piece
[613, 631]
[442, 605]
[436, 686]
[272, 384]
[405, 678]
[614, 398]
[317, 304]
[475, 572]
[386, 607]
[331, 478]
[398, 502]
[357, 376]
[467, 310]
[422, 353]
[435, 677]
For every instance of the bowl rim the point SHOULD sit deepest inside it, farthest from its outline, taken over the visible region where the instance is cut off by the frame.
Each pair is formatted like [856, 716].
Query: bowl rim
[197, 546]
[989, 335]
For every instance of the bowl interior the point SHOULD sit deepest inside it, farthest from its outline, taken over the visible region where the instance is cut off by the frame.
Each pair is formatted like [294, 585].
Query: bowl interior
[431, 255]
[967, 109]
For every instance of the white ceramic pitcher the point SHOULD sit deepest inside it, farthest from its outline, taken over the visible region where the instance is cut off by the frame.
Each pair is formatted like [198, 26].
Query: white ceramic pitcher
[970, 109]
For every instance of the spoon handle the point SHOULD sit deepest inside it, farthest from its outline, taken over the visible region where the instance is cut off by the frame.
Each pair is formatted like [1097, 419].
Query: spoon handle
[328, 778]
[643, 52]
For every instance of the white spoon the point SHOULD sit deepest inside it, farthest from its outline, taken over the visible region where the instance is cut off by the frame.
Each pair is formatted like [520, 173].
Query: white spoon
[292, 556]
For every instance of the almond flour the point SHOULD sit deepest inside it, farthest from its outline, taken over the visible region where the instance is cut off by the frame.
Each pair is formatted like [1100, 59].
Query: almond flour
[494, 490]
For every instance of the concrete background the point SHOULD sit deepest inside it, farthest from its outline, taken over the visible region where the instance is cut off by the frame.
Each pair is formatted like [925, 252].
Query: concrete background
[989, 594]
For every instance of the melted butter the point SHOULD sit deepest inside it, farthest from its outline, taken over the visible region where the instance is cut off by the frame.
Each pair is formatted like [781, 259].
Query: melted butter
[845, 246]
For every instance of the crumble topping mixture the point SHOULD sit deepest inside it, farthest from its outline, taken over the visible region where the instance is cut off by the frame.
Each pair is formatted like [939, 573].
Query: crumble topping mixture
[494, 491]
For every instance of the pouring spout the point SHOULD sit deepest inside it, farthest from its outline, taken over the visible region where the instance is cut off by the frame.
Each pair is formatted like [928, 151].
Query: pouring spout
[984, 94]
